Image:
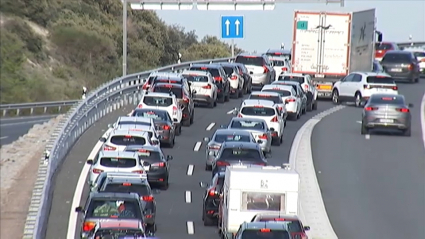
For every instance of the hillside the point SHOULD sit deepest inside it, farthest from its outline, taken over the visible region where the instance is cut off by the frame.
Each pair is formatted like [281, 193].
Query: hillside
[51, 48]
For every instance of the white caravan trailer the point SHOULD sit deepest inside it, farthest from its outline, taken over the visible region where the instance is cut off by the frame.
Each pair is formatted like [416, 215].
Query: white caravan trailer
[252, 189]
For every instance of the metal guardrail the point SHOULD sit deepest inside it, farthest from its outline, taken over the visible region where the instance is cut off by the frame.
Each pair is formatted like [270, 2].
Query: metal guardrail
[411, 44]
[32, 106]
[105, 99]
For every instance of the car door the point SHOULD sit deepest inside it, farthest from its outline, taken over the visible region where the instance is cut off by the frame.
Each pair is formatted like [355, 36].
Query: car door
[298, 99]
[280, 119]
[354, 85]
[344, 84]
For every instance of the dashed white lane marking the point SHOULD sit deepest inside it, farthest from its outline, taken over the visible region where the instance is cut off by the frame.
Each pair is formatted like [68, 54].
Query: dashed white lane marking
[197, 146]
[4, 137]
[359, 121]
[367, 136]
[190, 228]
[210, 126]
[188, 197]
[230, 112]
[190, 170]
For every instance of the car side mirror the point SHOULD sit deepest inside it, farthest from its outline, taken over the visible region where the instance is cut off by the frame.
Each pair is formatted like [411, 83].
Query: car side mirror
[306, 228]
[79, 209]
[206, 139]
[169, 157]
[410, 105]
[90, 161]
[103, 140]
[259, 141]
[203, 184]
[175, 121]
[251, 72]
[235, 111]
[271, 129]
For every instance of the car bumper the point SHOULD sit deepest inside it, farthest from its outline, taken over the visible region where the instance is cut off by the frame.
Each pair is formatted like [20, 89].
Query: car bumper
[203, 99]
[375, 123]
[292, 108]
[233, 91]
[367, 93]
[402, 76]
[166, 136]
[210, 157]
[157, 176]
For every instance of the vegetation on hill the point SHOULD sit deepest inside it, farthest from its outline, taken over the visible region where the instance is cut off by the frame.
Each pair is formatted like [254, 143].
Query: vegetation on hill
[51, 48]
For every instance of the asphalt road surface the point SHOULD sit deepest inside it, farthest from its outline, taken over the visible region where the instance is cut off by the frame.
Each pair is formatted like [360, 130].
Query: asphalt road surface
[173, 212]
[372, 186]
[12, 128]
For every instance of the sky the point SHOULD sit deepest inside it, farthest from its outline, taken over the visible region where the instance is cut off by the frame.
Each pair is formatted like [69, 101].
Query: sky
[268, 29]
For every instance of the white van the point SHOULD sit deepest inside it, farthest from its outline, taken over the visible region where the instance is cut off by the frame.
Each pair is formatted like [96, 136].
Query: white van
[252, 189]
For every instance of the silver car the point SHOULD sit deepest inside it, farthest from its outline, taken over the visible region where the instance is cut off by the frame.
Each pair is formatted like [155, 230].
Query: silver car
[259, 67]
[384, 111]
[257, 127]
[224, 135]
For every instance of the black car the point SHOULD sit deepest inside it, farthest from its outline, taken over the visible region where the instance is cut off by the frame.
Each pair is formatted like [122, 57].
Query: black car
[220, 77]
[184, 98]
[238, 153]
[104, 205]
[164, 124]
[128, 183]
[212, 199]
[155, 163]
[247, 77]
[401, 65]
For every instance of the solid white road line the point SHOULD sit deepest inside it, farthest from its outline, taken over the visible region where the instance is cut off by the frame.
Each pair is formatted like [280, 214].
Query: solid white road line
[26, 122]
[367, 136]
[190, 228]
[230, 112]
[4, 137]
[422, 112]
[190, 170]
[359, 121]
[210, 126]
[197, 146]
[188, 197]
[76, 200]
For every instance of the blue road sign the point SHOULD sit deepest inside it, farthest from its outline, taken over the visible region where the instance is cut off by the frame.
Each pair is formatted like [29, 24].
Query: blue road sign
[232, 27]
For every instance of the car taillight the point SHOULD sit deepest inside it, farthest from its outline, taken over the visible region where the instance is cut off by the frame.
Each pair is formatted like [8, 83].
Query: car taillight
[109, 148]
[264, 136]
[239, 115]
[274, 119]
[212, 192]
[174, 110]
[403, 110]
[290, 100]
[261, 164]
[411, 66]
[284, 69]
[140, 106]
[213, 147]
[145, 86]
[306, 87]
[370, 108]
[95, 170]
[233, 77]
[166, 127]
[162, 164]
[265, 69]
[206, 87]
[218, 78]
[88, 226]
[147, 198]
[222, 163]
[395, 87]
[280, 108]
[186, 100]
[423, 60]
[138, 171]
[241, 73]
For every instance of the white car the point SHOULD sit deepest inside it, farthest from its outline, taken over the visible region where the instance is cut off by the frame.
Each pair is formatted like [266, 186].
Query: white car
[281, 65]
[236, 79]
[119, 139]
[272, 96]
[288, 95]
[164, 101]
[203, 86]
[153, 75]
[268, 111]
[357, 87]
[128, 122]
[114, 161]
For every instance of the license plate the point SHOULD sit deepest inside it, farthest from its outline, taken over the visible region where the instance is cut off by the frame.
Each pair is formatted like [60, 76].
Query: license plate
[386, 120]
[396, 69]
[381, 89]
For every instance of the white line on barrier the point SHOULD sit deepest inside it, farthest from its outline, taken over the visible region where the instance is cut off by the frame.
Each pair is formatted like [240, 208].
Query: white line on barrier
[4, 137]
[197, 146]
[210, 126]
[423, 118]
[188, 197]
[230, 112]
[190, 170]
[26, 122]
[190, 228]
[367, 136]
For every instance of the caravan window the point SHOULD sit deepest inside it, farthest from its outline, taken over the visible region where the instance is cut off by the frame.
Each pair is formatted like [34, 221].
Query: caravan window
[259, 201]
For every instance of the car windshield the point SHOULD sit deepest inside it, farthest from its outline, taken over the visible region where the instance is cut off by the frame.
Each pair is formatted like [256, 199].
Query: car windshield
[274, 98]
[249, 60]
[118, 233]
[177, 91]
[385, 100]
[278, 63]
[298, 79]
[240, 154]
[126, 140]
[196, 78]
[380, 80]
[247, 124]
[258, 111]
[292, 225]
[419, 54]
[153, 114]
[220, 138]
[213, 71]
[157, 101]
[118, 162]
[113, 208]
[228, 69]
[264, 233]
[383, 46]
[396, 58]
[126, 187]
[282, 93]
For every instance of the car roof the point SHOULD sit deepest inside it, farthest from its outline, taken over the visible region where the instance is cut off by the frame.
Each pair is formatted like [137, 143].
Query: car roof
[290, 83]
[174, 85]
[232, 131]
[414, 49]
[292, 74]
[282, 51]
[123, 154]
[277, 215]
[245, 54]
[277, 58]
[120, 223]
[123, 132]
[135, 127]
[134, 119]
[194, 72]
[371, 73]
[283, 86]
[248, 119]
[114, 196]
[172, 77]
[228, 64]
[207, 65]
[269, 225]
[235, 145]
[159, 94]
[398, 52]
[264, 93]
[387, 95]
[249, 102]
[146, 147]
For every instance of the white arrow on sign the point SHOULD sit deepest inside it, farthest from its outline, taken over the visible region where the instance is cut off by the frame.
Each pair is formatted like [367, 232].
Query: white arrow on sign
[237, 23]
[227, 27]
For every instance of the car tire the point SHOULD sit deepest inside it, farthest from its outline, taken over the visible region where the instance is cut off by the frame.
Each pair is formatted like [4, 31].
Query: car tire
[358, 99]
[227, 97]
[304, 111]
[208, 167]
[165, 184]
[240, 95]
[211, 104]
[335, 97]
[315, 105]
[364, 130]
[171, 144]
[179, 130]
[192, 117]
[276, 141]
[186, 122]
[407, 132]
[222, 99]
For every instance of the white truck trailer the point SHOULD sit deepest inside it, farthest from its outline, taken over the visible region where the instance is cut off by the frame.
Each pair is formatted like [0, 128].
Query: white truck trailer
[329, 45]
[252, 189]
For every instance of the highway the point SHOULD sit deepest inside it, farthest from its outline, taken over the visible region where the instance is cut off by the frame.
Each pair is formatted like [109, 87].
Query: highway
[372, 186]
[12, 128]
[176, 212]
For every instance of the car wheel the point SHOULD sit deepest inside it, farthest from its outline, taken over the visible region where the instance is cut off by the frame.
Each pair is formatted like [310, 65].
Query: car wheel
[364, 130]
[315, 105]
[241, 93]
[276, 141]
[227, 98]
[211, 104]
[179, 130]
[208, 167]
[222, 99]
[209, 222]
[335, 97]
[165, 184]
[407, 132]
[304, 110]
[192, 117]
[358, 99]
[171, 144]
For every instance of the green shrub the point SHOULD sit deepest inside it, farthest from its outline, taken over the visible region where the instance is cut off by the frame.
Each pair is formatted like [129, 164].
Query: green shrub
[33, 42]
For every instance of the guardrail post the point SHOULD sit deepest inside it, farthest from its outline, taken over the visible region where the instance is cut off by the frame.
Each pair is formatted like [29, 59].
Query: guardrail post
[59, 108]
[18, 111]
[31, 111]
[4, 113]
[45, 109]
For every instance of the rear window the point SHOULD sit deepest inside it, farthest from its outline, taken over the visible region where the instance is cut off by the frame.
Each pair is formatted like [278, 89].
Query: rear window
[126, 187]
[118, 162]
[254, 61]
[247, 124]
[258, 234]
[196, 78]
[291, 78]
[396, 57]
[237, 154]
[133, 123]
[149, 155]
[258, 111]
[282, 93]
[171, 81]
[127, 140]
[278, 63]
[279, 54]
[275, 99]
[213, 71]
[220, 138]
[419, 54]
[177, 91]
[228, 69]
[386, 100]
[110, 208]
[157, 101]
[264, 201]
[153, 114]
[383, 46]
[119, 233]
[380, 80]
[292, 225]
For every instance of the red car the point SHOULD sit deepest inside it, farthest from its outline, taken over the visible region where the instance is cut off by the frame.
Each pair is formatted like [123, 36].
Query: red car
[295, 226]
[382, 47]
